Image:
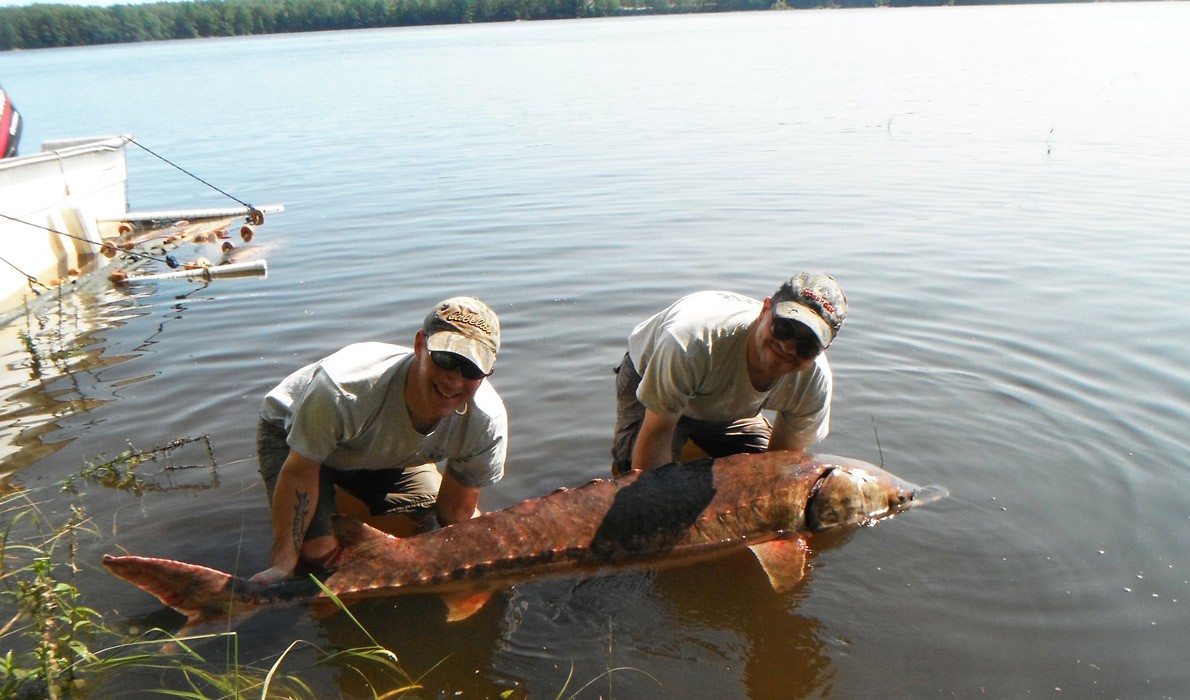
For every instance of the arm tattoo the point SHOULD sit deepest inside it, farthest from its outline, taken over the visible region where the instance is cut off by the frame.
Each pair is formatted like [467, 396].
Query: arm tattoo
[299, 517]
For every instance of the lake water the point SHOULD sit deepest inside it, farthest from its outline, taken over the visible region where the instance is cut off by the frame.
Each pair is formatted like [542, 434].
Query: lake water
[1002, 192]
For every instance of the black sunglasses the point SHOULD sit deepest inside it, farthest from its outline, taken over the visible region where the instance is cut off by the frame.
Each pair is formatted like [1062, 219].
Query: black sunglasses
[449, 362]
[806, 342]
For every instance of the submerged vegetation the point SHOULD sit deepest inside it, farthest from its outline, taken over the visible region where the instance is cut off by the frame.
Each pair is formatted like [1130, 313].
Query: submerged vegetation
[121, 472]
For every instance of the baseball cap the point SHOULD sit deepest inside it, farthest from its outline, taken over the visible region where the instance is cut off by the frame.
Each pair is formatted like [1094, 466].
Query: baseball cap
[815, 300]
[465, 326]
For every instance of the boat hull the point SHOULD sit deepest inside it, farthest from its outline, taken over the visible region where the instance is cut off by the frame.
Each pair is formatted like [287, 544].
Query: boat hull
[64, 189]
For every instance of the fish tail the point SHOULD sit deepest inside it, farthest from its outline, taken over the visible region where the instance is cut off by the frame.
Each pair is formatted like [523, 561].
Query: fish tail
[200, 593]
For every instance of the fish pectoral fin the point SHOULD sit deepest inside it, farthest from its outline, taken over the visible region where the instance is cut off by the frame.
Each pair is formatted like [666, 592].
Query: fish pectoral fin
[322, 608]
[461, 606]
[784, 561]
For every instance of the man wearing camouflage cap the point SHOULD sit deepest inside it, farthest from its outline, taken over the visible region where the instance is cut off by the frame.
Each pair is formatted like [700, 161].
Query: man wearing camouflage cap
[374, 420]
[704, 368]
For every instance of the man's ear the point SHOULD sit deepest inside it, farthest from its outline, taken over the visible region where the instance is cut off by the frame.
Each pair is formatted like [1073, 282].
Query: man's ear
[764, 309]
[419, 342]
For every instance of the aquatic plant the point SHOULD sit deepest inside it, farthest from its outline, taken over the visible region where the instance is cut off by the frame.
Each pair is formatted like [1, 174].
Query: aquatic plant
[47, 629]
[120, 472]
[58, 648]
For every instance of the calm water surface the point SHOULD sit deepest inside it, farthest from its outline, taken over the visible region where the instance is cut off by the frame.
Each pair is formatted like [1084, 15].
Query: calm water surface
[1001, 191]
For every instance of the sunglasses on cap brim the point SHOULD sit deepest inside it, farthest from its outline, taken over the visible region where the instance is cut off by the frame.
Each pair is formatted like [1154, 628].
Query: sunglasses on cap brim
[449, 362]
[806, 343]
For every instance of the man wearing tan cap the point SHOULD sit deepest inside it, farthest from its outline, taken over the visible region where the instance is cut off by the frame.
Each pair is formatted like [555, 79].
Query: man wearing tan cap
[704, 368]
[374, 419]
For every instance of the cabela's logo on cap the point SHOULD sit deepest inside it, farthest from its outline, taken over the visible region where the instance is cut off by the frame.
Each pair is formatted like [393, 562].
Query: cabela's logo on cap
[811, 295]
[470, 319]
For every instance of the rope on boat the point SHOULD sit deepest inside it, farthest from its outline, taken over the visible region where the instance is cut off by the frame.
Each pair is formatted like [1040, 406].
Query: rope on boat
[254, 216]
[32, 280]
[168, 260]
[163, 159]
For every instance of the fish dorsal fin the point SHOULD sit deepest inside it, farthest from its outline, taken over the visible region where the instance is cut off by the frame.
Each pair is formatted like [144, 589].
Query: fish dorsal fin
[352, 532]
[460, 606]
[783, 560]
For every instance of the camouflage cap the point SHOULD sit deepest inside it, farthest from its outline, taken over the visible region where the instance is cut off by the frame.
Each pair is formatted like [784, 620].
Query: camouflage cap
[815, 300]
[465, 326]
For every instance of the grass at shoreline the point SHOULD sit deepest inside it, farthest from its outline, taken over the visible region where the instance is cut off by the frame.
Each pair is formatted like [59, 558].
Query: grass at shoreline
[53, 646]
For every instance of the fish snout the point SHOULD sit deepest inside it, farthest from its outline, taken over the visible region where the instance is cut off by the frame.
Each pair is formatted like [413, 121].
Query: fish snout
[927, 494]
[903, 496]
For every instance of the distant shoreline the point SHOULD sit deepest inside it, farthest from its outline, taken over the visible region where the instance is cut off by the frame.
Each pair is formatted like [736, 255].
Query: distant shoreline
[60, 26]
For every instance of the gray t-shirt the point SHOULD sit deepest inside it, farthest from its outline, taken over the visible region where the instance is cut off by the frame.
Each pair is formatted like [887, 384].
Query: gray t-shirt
[347, 411]
[692, 358]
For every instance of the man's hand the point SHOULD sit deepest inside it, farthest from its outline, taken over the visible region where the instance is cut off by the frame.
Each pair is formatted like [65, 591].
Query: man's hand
[785, 439]
[456, 503]
[271, 575]
[654, 442]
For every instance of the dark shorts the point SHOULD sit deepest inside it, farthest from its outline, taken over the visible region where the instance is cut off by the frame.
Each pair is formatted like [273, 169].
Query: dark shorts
[717, 439]
[410, 491]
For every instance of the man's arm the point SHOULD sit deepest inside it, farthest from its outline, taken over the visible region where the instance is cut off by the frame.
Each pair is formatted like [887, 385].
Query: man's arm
[654, 442]
[294, 500]
[784, 438]
[456, 502]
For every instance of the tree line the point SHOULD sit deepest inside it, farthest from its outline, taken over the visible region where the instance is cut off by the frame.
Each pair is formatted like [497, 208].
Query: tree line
[48, 26]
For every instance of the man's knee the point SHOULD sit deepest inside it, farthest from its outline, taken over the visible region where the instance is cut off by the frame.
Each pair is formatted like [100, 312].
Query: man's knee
[393, 491]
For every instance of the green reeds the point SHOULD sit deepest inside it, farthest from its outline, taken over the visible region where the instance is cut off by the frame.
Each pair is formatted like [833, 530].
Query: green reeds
[58, 649]
[47, 630]
[52, 646]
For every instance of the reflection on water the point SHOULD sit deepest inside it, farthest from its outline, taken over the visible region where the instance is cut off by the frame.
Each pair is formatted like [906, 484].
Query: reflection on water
[49, 346]
[56, 363]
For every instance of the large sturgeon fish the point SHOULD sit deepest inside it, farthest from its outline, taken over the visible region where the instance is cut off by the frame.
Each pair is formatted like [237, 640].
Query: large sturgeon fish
[676, 514]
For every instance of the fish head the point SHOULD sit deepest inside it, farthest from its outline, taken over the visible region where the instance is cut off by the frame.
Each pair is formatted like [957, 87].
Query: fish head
[850, 492]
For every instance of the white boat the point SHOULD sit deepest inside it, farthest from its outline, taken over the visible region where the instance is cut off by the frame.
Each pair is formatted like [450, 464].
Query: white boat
[64, 214]
[67, 234]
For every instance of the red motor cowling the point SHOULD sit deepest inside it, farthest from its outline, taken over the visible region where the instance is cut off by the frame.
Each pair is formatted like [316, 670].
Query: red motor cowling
[10, 126]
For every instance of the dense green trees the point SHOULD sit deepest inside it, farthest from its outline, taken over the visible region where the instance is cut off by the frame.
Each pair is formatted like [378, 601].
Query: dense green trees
[41, 26]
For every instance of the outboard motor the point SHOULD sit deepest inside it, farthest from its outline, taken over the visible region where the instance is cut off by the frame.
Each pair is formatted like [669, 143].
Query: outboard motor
[10, 126]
